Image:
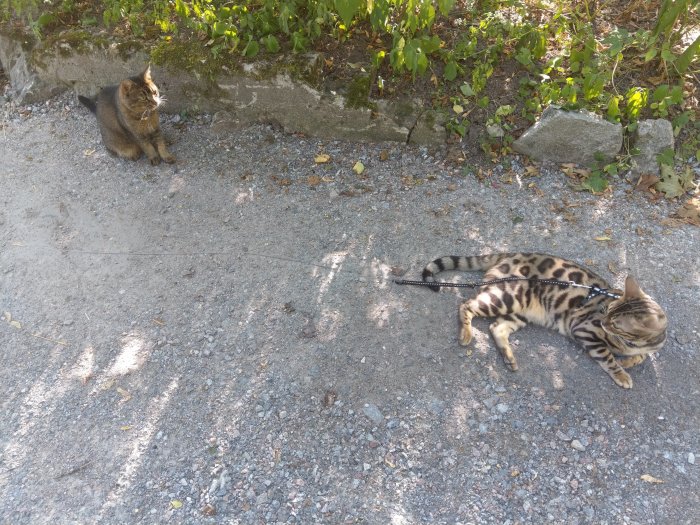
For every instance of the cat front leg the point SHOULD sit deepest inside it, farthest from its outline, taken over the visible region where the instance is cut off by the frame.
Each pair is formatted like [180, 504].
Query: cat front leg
[629, 362]
[600, 353]
[150, 151]
[163, 150]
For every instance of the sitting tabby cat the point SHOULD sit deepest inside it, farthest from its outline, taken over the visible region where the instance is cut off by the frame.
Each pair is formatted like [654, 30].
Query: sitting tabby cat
[128, 117]
[616, 333]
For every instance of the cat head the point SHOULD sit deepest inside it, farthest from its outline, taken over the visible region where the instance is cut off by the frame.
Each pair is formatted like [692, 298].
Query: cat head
[637, 321]
[140, 94]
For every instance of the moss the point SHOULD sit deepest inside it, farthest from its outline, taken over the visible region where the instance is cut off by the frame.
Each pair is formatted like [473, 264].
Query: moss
[72, 41]
[18, 34]
[358, 92]
[307, 68]
[404, 109]
[429, 119]
[128, 48]
[192, 57]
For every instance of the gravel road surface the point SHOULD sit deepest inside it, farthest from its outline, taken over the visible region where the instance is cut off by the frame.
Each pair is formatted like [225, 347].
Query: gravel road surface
[220, 340]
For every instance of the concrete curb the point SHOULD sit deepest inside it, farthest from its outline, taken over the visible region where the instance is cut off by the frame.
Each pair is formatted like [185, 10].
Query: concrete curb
[39, 70]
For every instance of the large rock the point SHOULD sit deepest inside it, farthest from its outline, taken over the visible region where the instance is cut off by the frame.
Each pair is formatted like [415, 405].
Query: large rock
[570, 136]
[651, 138]
[25, 84]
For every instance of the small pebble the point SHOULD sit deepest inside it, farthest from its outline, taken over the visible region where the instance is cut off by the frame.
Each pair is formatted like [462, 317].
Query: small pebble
[577, 445]
[373, 413]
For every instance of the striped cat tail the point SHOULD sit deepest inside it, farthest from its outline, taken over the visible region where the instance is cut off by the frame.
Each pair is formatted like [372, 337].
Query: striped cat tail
[461, 263]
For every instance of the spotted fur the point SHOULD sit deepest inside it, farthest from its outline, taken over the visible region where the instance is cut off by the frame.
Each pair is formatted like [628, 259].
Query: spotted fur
[617, 333]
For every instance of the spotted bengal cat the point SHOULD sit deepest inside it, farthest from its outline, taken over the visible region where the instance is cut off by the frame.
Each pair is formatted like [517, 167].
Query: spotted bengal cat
[617, 332]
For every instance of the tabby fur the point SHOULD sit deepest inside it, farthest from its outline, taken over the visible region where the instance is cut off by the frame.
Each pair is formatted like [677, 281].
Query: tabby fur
[127, 114]
[617, 333]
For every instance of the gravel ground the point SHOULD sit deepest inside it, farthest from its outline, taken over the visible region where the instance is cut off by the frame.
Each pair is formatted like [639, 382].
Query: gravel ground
[220, 341]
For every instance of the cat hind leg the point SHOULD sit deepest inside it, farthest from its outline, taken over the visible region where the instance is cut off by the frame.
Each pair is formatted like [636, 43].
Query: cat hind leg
[501, 329]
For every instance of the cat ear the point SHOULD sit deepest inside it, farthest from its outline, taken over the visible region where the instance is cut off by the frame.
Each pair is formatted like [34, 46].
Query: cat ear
[126, 86]
[146, 75]
[632, 288]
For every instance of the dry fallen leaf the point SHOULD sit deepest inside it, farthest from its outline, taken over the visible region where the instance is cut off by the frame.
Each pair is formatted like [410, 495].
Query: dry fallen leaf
[383, 155]
[314, 180]
[690, 212]
[176, 503]
[209, 510]
[358, 167]
[602, 238]
[646, 182]
[126, 396]
[88, 152]
[125, 428]
[531, 171]
[389, 460]
[283, 181]
[322, 158]
[651, 479]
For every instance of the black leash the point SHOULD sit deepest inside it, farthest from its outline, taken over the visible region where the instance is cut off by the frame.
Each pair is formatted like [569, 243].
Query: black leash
[593, 291]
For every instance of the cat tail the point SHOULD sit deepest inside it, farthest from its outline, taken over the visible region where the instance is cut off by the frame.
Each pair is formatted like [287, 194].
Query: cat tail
[88, 103]
[455, 262]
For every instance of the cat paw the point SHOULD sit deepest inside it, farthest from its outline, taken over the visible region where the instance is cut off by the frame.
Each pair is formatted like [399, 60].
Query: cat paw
[622, 379]
[629, 362]
[465, 336]
[170, 159]
[512, 365]
[154, 161]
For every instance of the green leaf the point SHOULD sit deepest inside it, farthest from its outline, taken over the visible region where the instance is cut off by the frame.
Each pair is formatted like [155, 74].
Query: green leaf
[636, 102]
[676, 95]
[251, 49]
[429, 45]
[660, 93]
[666, 157]
[467, 90]
[503, 111]
[445, 6]
[182, 9]
[450, 72]
[299, 41]
[596, 182]
[271, 43]
[347, 9]
[524, 56]
[681, 120]
[614, 109]
[45, 19]
[218, 29]
[416, 60]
